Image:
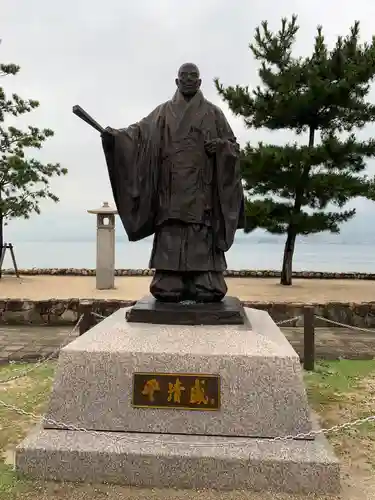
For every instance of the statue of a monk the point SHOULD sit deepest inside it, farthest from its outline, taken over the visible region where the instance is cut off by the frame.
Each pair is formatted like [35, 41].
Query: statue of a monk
[176, 174]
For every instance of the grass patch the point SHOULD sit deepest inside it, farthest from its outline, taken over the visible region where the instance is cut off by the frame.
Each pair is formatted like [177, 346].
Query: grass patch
[340, 391]
[29, 393]
[344, 391]
[9, 483]
[333, 381]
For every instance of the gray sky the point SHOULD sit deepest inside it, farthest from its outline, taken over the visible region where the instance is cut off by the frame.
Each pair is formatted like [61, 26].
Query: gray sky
[118, 60]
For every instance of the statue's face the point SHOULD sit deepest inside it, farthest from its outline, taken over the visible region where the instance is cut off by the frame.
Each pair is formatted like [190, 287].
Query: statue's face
[188, 81]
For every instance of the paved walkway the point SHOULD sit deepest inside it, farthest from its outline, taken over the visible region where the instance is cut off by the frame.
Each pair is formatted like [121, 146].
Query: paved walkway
[32, 342]
[41, 287]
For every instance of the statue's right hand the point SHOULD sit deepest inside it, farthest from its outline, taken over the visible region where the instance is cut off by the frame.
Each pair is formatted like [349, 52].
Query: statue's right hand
[108, 137]
[108, 132]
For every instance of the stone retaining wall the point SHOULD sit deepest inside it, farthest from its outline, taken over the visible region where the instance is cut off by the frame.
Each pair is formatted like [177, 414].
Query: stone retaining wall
[244, 273]
[59, 311]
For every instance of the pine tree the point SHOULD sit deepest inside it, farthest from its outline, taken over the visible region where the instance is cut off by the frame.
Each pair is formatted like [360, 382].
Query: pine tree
[371, 189]
[24, 181]
[302, 188]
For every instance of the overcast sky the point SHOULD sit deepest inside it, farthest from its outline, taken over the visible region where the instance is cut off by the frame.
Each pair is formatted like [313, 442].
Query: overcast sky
[118, 60]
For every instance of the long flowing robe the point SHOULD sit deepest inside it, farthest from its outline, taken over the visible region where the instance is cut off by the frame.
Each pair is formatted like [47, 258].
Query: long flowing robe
[164, 183]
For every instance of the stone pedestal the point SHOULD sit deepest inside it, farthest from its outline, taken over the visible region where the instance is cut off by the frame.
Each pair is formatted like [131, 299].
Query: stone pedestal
[105, 246]
[229, 311]
[232, 446]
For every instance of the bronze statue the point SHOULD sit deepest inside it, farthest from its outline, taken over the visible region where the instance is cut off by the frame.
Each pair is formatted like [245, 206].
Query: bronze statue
[176, 174]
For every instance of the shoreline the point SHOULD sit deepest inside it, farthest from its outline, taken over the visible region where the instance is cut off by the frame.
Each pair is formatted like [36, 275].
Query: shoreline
[229, 273]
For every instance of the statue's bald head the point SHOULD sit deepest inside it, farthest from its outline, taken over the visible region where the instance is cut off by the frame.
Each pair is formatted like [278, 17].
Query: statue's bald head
[188, 67]
[188, 81]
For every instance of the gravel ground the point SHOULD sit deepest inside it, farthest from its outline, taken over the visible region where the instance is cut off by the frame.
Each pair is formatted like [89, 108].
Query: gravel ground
[133, 287]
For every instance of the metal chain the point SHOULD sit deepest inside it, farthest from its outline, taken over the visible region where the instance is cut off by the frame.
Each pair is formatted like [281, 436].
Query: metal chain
[23, 373]
[324, 431]
[367, 330]
[327, 430]
[289, 320]
[97, 315]
[290, 437]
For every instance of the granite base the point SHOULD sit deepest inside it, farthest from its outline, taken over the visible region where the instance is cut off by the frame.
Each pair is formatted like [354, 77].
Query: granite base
[262, 389]
[176, 461]
[262, 397]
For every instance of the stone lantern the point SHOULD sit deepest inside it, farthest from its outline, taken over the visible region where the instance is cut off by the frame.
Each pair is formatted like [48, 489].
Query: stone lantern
[105, 246]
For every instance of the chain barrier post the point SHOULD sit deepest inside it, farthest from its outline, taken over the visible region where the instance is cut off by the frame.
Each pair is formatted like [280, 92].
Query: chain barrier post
[85, 310]
[308, 338]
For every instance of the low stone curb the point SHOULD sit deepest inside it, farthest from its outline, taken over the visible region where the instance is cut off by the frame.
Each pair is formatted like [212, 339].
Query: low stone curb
[244, 273]
[56, 312]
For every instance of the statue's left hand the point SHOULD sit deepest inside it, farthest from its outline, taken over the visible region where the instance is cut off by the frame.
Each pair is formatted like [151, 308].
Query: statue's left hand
[212, 146]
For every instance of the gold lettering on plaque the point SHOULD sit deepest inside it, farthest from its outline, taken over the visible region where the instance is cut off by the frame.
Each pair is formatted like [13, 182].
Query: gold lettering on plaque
[151, 386]
[183, 391]
[175, 391]
[197, 395]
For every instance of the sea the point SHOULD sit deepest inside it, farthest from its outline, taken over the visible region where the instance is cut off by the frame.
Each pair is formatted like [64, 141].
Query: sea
[347, 252]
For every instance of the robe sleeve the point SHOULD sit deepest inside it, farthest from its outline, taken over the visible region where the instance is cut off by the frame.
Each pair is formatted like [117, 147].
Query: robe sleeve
[132, 156]
[230, 206]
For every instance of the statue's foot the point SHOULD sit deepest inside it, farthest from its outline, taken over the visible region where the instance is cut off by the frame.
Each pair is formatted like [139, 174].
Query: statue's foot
[208, 297]
[203, 287]
[164, 297]
[208, 287]
[167, 286]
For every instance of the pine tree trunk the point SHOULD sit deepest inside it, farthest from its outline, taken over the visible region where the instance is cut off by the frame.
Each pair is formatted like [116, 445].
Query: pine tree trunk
[286, 273]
